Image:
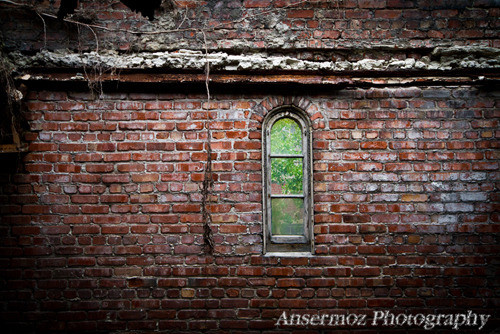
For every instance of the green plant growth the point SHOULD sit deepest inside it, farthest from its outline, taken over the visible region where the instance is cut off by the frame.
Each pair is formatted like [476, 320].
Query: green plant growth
[286, 173]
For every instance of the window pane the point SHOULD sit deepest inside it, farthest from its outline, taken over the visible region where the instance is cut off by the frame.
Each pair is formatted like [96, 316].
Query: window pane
[286, 176]
[286, 137]
[287, 216]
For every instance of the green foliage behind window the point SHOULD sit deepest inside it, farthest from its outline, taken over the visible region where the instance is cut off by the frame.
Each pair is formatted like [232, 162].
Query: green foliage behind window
[286, 137]
[286, 173]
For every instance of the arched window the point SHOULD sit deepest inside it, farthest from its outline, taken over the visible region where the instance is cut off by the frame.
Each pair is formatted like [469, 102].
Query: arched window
[287, 181]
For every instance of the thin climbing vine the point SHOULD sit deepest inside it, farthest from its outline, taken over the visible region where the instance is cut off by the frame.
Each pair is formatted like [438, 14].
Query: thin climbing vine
[208, 176]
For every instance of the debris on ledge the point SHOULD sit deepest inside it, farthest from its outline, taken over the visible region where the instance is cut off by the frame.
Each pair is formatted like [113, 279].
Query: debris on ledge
[440, 59]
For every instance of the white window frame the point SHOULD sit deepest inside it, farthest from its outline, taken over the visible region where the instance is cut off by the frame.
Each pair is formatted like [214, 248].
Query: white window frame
[286, 243]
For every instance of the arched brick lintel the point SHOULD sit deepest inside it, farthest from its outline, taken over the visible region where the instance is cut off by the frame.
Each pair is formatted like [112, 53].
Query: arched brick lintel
[259, 112]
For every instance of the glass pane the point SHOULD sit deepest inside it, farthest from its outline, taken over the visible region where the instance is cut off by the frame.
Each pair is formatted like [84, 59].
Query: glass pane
[287, 216]
[286, 137]
[286, 176]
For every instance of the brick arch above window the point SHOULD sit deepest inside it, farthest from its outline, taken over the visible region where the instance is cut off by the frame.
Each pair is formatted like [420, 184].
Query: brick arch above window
[309, 107]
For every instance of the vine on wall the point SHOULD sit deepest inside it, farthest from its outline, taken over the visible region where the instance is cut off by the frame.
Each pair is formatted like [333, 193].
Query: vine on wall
[208, 176]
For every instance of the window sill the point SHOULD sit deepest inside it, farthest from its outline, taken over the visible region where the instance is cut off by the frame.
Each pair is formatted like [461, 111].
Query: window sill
[288, 254]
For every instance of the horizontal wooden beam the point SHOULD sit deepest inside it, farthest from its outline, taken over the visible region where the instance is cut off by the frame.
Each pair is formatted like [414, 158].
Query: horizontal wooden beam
[368, 78]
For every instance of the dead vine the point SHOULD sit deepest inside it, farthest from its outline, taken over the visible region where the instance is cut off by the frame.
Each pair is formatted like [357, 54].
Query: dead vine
[44, 30]
[208, 176]
[10, 106]
[93, 74]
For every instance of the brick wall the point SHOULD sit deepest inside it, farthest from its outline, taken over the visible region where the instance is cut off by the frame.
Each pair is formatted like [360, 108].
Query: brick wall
[102, 229]
[101, 225]
[272, 26]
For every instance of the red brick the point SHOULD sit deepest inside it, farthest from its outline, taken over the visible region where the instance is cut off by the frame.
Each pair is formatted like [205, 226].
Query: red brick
[372, 3]
[189, 146]
[256, 3]
[300, 13]
[344, 145]
[342, 124]
[375, 145]
[145, 177]
[412, 156]
[160, 105]
[99, 168]
[40, 106]
[186, 208]
[388, 14]
[279, 271]
[250, 271]
[84, 199]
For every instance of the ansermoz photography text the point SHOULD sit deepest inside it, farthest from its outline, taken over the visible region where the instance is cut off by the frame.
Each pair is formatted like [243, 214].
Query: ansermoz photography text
[386, 319]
